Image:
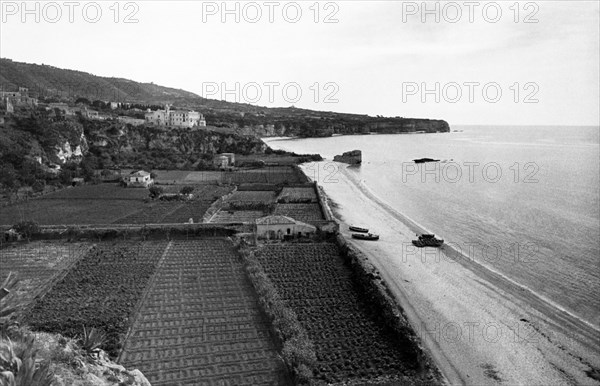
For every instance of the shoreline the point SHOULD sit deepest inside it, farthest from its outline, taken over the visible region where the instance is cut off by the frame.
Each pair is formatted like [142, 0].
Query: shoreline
[566, 346]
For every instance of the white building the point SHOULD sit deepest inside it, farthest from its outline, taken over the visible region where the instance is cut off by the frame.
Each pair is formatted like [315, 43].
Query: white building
[140, 178]
[175, 118]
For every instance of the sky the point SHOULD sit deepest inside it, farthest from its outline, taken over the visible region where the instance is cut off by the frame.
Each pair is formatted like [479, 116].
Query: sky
[492, 63]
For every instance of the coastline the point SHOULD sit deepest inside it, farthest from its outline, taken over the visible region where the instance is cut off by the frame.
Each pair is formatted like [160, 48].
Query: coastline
[444, 300]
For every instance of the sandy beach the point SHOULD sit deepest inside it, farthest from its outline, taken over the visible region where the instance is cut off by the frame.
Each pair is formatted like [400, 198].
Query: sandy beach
[480, 327]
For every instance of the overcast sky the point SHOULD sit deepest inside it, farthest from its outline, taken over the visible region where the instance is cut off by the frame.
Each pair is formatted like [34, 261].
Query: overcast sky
[372, 57]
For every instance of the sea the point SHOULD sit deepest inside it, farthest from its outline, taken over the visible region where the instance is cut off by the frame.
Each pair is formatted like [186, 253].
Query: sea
[523, 201]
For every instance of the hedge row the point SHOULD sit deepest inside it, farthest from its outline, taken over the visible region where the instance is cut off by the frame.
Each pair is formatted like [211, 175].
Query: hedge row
[297, 350]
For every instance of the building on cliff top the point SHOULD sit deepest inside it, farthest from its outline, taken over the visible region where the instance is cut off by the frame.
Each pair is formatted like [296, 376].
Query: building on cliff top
[175, 118]
[19, 98]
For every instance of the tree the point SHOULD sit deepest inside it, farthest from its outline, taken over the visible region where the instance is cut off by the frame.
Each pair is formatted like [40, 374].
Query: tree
[155, 191]
[8, 176]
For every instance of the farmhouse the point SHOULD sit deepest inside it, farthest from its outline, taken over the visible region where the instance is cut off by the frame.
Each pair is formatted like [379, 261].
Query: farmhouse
[139, 179]
[276, 227]
[221, 161]
[91, 114]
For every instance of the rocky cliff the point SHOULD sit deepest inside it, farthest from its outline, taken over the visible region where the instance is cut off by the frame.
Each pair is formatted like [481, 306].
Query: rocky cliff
[353, 157]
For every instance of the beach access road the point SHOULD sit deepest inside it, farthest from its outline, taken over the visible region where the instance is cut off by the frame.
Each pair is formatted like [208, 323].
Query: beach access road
[480, 327]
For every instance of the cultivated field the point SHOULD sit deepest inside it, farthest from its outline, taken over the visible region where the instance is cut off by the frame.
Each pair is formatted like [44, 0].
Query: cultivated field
[111, 203]
[153, 213]
[104, 191]
[233, 216]
[258, 196]
[69, 211]
[199, 323]
[204, 177]
[351, 342]
[101, 290]
[38, 265]
[301, 212]
[270, 175]
[297, 195]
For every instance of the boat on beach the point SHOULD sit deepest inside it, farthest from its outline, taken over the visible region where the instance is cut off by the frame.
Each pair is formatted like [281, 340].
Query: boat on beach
[358, 229]
[363, 236]
[428, 240]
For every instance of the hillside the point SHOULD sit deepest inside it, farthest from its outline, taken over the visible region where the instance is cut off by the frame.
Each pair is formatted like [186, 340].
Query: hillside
[55, 84]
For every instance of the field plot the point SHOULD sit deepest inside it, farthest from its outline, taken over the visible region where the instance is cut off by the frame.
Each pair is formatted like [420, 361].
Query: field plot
[259, 196]
[168, 176]
[270, 175]
[154, 213]
[38, 264]
[211, 192]
[105, 191]
[204, 177]
[301, 212]
[193, 209]
[200, 324]
[69, 211]
[101, 290]
[297, 195]
[351, 342]
[231, 216]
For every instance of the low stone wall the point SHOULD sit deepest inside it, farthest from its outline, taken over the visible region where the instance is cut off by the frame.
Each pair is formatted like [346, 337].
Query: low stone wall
[322, 197]
[215, 206]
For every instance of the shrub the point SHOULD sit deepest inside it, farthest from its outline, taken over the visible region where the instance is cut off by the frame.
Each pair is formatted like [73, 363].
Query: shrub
[18, 366]
[298, 351]
[155, 191]
[92, 340]
[8, 304]
[27, 228]
[38, 186]
[187, 190]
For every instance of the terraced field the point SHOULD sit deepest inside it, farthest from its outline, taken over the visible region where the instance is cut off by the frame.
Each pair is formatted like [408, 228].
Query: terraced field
[297, 195]
[101, 290]
[225, 216]
[271, 175]
[105, 191]
[301, 212]
[351, 342]
[199, 323]
[194, 210]
[38, 265]
[258, 196]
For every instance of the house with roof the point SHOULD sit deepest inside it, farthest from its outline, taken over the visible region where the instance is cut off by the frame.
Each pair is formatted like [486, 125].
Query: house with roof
[277, 227]
[139, 179]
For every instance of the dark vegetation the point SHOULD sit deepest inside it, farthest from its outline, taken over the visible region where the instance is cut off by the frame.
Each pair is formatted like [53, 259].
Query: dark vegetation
[357, 344]
[100, 291]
